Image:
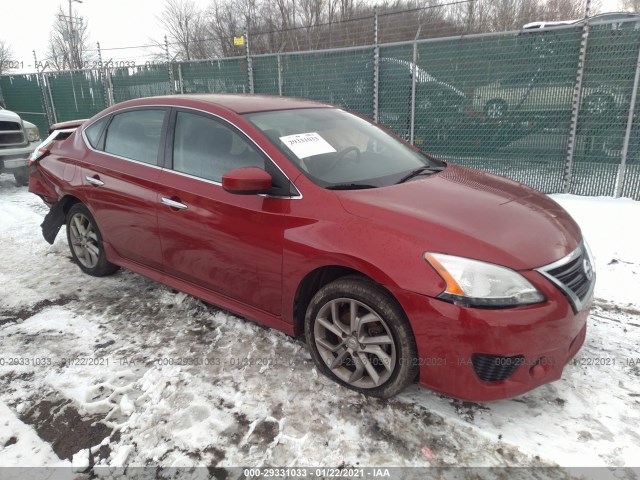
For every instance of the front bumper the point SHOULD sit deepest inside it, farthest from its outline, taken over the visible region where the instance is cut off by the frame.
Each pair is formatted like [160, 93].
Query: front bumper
[536, 341]
[17, 157]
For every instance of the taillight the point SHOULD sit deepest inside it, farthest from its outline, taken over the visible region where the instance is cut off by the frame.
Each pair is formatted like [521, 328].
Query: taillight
[38, 154]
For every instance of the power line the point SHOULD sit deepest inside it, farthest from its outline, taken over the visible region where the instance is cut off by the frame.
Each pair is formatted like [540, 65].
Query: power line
[300, 27]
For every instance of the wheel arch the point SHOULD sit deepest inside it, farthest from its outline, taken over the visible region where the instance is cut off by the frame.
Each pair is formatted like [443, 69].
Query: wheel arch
[69, 201]
[57, 217]
[318, 278]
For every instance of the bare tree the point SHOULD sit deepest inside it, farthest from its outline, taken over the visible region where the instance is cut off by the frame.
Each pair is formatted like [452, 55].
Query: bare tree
[564, 10]
[187, 30]
[68, 42]
[7, 57]
[631, 6]
[224, 22]
[285, 25]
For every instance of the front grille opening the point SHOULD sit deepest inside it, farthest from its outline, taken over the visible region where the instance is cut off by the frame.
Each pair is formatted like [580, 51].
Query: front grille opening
[575, 278]
[494, 368]
[9, 126]
[11, 138]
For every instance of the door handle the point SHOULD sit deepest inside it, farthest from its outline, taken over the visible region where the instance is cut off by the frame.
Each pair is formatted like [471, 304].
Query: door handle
[94, 181]
[173, 203]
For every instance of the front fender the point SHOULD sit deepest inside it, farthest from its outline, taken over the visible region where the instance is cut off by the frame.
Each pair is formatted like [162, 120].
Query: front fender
[389, 258]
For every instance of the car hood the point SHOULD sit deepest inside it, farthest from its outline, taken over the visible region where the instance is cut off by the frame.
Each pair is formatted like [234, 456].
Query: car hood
[9, 116]
[472, 214]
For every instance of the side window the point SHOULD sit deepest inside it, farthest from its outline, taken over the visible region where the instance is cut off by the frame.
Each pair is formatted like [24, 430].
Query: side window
[94, 131]
[206, 148]
[136, 135]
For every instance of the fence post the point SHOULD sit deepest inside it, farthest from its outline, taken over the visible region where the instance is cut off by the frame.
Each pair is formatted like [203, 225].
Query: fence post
[627, 134]
[109, 87]
[376, 64]
[43, 94]
[53, 105]
[279, 75]
[414, 73]
[102, 73]
[172, 84]
[575, 106]
[249, 61]
[180, 78]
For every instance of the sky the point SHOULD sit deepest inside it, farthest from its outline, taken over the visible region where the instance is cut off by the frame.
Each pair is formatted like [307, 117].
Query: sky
[114, 23]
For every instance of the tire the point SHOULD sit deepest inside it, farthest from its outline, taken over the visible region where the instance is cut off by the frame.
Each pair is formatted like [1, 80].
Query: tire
[85, 242]
[496, 109]
[386, 336]
[21, 176]
[599, 105]
[612, 145]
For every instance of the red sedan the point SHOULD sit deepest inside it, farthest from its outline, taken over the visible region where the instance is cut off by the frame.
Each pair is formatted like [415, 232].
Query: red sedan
[394, 265]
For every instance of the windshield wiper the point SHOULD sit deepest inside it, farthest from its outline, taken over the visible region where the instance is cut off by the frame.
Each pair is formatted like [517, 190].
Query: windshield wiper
[349, 186]
[419, 171]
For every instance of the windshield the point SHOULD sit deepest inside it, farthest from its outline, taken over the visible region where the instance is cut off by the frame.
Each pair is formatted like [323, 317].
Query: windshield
[334, 148]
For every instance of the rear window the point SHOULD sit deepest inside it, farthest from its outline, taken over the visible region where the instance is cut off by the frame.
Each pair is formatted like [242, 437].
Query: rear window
[136, 135]
[94, 131]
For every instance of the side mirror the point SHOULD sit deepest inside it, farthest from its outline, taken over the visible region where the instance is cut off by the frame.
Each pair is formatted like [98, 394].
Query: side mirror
[247, 181]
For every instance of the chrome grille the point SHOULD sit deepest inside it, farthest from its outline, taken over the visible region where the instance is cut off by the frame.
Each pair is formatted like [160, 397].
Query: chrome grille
[574, 275]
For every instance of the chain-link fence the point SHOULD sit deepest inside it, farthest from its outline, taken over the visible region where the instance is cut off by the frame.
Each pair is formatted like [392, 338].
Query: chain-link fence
[500, 102]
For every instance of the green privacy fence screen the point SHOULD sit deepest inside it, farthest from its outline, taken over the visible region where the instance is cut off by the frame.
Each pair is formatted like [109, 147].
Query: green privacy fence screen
[342, 77]
[500, 102]
[227, 75]
[23, 95]
[516, 90]
[140, 81]
[612, 54]
[76, 94]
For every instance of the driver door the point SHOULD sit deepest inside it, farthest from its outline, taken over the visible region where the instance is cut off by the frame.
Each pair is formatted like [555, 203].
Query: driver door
[229, 244]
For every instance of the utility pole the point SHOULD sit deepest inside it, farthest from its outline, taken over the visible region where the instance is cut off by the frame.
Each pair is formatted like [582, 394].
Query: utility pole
[74, 56]
[72, 49]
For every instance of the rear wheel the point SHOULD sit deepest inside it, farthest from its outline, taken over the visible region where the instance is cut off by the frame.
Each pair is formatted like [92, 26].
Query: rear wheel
[359, 336]
[85, 242]
[496, 109]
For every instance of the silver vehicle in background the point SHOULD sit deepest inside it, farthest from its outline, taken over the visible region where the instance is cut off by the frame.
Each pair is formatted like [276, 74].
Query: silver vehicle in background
[18, 139]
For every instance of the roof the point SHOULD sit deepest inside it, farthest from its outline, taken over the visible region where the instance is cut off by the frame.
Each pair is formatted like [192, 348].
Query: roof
[594, 19]
[248, 103]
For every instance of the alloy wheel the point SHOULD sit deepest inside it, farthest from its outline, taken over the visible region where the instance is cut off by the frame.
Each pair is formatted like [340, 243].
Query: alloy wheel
[495, 109]
[355, 343]
[84, 240]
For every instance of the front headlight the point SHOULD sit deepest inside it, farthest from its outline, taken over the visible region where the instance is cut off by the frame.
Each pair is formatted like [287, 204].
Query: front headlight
[473, 283]
[33, 135]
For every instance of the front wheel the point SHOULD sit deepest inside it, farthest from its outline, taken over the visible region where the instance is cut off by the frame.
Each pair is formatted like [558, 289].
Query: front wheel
[359, 336]
[599, 105]
[21, 176]
[85, 242]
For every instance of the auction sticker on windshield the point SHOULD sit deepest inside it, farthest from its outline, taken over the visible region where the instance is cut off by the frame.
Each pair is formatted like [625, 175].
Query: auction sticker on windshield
[305, 145]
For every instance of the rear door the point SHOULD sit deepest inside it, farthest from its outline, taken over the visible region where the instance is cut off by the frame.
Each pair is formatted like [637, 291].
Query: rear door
[122, 180]
[229, 244]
